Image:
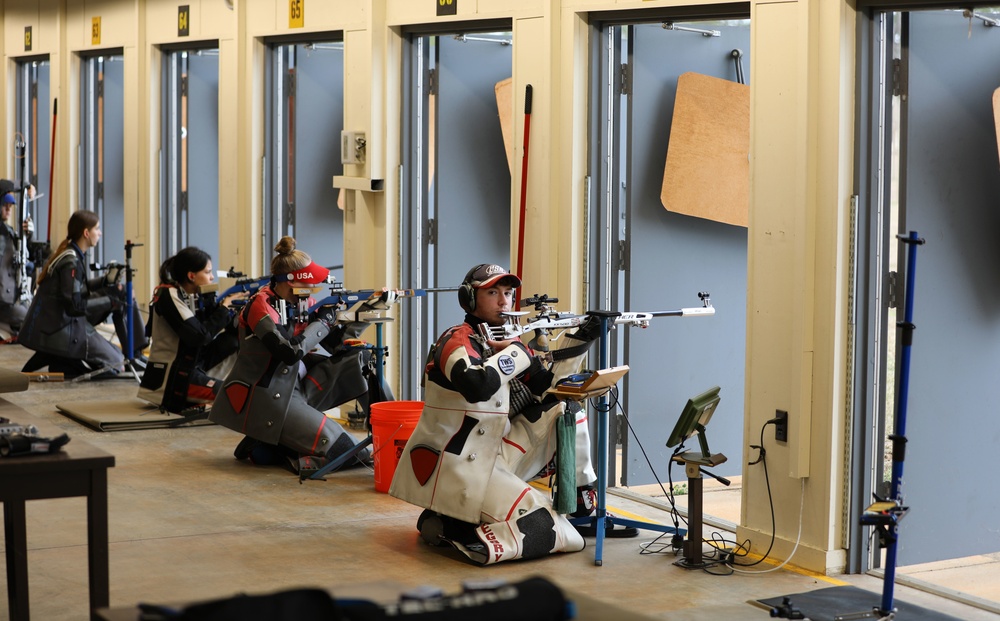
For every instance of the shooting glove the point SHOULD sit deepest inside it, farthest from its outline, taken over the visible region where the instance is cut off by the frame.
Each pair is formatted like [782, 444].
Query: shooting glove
[537, 377]
[588, 331]
[584, 335]
[116, 295]
[113, 277]
[327, 316]
[99, 307]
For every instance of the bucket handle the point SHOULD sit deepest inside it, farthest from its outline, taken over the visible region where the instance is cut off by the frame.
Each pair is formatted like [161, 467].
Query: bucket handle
[387, 441]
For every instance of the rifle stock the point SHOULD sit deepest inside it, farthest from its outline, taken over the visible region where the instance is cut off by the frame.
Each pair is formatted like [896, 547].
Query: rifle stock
[550, 321]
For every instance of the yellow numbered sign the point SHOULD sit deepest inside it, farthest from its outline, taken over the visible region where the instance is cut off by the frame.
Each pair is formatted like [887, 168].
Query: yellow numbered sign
[296, 13]
[183, 20]
[447, 7]
[27, 38]
[95, 31]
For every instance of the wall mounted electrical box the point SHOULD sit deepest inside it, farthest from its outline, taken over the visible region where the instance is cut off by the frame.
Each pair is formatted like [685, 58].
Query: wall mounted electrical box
[352, 147]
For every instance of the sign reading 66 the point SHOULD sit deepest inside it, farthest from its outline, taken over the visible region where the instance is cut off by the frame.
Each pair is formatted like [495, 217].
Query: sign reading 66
[447, 7]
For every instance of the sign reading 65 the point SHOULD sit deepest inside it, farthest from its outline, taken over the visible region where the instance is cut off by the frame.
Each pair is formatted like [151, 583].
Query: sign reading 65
[296, 13]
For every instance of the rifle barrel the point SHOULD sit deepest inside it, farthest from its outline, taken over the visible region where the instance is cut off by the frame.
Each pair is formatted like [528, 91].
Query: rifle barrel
[680, 312]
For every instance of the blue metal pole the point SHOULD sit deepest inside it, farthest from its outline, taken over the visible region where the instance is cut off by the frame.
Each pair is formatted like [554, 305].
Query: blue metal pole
[898, 436]
[378, 355]
[602, 452]
[128, 320]
[129, 327]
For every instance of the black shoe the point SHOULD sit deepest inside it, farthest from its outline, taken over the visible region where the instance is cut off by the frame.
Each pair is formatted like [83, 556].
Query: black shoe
[611, 530]
[431, 528]
[437, 529]
[244, 448]
[68, 367]
[308, 465]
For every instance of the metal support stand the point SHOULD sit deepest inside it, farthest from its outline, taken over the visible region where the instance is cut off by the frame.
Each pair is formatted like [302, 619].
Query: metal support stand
[600, 520]
[129, 348]
[885, 515]
[363, 444]
[693, 463]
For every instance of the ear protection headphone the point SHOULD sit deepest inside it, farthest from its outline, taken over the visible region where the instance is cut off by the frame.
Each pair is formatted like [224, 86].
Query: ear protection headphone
[467, 293]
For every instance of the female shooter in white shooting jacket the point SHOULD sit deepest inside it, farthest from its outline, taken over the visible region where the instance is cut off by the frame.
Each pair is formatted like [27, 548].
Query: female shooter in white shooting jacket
[485, 431]
[190, 334]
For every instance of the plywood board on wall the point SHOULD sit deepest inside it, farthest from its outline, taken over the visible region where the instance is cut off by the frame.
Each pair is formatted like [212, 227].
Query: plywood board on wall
[505, 108]
[707, 172]
[996, 116]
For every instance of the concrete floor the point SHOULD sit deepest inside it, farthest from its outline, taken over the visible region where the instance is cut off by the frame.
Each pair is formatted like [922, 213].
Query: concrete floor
[189, 522]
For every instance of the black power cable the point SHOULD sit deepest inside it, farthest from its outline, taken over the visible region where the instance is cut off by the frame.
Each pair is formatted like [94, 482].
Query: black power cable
[725, 551]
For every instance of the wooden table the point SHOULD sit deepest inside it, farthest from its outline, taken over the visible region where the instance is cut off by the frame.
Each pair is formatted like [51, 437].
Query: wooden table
[79, 469]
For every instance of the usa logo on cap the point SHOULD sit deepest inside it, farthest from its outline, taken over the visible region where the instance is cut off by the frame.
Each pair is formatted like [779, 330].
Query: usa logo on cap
[311, 274]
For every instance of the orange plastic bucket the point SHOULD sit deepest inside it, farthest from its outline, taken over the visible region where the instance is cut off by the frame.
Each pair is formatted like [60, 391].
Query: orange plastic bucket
[392, 424]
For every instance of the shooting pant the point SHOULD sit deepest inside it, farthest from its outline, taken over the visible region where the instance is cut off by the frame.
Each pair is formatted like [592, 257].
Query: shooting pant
[518, 521]
[13, 315]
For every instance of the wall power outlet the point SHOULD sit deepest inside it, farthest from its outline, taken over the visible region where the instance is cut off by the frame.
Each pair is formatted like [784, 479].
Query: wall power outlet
[781, 427]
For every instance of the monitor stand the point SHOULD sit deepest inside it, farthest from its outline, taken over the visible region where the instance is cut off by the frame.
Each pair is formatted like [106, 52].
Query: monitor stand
[693, 462]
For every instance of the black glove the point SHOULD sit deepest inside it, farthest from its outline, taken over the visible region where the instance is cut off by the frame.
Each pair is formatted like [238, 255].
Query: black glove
[537, 377]
[112, 291]
[536, 367]
[327, 316]
[588, 330]
[113, 277]
[97, 308]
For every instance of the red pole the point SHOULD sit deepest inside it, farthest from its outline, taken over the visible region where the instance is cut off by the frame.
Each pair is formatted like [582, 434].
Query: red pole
[52, 166]
[524, 190]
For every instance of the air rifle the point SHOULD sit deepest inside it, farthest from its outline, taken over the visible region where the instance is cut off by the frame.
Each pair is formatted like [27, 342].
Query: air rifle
[21, 256]
[368, 305]
[547, 319]
[244, 284]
